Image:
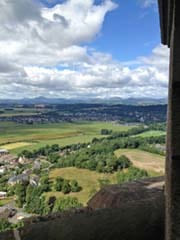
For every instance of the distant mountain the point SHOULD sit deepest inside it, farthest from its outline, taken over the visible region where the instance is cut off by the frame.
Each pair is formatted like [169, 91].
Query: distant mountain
[111, 101]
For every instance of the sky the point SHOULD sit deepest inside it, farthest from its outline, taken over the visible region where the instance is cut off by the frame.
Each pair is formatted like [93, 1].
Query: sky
[81, 49]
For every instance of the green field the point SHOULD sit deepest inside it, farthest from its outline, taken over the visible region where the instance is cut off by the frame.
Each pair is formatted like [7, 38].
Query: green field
[35, 136]
[151, 134]
[151, 162]
[87, 179]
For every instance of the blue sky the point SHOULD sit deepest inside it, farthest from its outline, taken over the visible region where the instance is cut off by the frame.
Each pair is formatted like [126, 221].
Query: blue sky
[81, 48]
[129, 31]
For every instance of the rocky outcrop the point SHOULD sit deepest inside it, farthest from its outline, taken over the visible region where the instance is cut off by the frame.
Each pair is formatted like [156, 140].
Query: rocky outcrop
[130, 211]
[114, 196]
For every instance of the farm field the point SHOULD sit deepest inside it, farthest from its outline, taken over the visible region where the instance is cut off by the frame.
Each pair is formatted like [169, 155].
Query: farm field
[18, 137]
[87, 179]
[149, 161]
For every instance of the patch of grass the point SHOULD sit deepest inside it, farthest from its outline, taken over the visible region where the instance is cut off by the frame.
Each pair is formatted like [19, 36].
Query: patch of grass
[153, 163]
[151, 134]
[12, 146]
[87, 179]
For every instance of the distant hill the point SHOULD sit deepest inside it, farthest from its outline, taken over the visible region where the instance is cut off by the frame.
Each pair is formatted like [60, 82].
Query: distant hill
[111, 101]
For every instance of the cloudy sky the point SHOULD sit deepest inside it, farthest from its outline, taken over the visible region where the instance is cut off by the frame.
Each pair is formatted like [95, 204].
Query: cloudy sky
[81, 48]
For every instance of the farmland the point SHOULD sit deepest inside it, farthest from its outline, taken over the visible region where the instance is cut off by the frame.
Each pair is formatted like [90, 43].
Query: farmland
[17, 137]
[144, 160]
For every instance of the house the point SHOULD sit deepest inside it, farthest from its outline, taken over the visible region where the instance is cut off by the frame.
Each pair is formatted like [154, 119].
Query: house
[3, 195]
[3, 152]
[37, 165]
[34, 180]
[2, 170]
[22, 160]
[18, 179]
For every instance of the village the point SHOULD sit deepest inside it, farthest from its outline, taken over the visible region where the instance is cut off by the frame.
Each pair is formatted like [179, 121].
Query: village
[15, 170]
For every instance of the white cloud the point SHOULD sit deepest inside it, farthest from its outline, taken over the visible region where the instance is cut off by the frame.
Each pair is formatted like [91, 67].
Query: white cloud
[148, 3]
[42, 54]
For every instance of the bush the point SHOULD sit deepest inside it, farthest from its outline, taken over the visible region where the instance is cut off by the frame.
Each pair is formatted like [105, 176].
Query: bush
[58, 184]
[131, 174]
[103, 182]
[45, 184]
[66, 187]
[63, 204]
[75, 186]
[4, 225]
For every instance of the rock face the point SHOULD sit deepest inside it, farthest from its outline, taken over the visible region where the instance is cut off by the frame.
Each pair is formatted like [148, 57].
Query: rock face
[130, 211]
[114, 196]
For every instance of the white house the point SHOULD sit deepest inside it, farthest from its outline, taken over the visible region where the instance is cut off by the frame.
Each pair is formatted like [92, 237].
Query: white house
[3, 152]
[3, 195]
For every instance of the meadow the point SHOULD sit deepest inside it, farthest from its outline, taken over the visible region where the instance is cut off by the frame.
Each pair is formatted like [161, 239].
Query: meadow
[18, 137]
[88, 180]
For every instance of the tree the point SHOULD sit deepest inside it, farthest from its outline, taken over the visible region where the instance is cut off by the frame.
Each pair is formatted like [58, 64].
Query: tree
[63, 204]
[58, 184]
[4, 225]
[20, 191]
[75, 186]
[66, 187]
[55, 147]
[132, 174]
[45, 184]
[53, 157]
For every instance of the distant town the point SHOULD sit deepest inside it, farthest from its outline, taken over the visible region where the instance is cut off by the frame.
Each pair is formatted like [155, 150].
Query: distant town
[53, 113]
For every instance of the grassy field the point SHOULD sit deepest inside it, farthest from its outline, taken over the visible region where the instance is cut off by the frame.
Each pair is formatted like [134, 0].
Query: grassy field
[17, 137]
[153, 163]
[151, 134]
[87, 179]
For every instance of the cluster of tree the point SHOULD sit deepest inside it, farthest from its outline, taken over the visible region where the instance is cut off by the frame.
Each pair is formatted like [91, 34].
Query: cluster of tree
[33, 200]
[5, 225]
[3, 183]
[131, 174]
[130, 132]
[66, 186]
[100, 155]
[152, 149]
[43, 151]
[100, 161]
[158, 126]
[106, 131]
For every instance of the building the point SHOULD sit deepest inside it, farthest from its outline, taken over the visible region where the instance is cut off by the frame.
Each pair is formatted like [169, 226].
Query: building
[3, 195]
[3, 152]
[18, 179]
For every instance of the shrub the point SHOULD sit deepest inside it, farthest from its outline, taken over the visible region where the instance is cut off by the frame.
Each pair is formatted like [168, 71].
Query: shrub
[75, 186]
[63, 204]
[66, 187]
[131, 174]
[58, 184]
